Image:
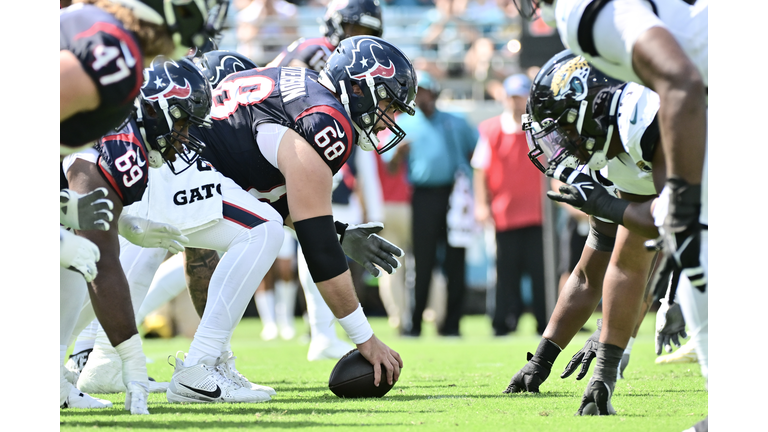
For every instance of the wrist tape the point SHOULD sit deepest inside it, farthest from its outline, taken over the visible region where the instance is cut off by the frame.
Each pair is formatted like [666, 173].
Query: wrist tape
[134, 361]
[546, 353]
[608, 360]
[356, 325]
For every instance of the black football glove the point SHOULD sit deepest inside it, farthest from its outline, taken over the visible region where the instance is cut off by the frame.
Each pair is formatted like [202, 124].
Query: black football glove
[597, 399]
[536, 371]
[584, 356]
[585, 193]
[681, 234]
[361, 243]
[597, 396]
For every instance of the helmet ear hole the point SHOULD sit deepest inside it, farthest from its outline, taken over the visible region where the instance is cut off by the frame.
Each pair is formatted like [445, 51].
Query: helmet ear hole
[357, 90]
[149, 109]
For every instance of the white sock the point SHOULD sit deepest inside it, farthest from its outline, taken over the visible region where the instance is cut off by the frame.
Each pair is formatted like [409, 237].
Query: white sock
[321, 319]
[207, 344]
[285, 302]
[72, 294]
[87, 337]
[628, 349]
[265, 304]
[168, 282]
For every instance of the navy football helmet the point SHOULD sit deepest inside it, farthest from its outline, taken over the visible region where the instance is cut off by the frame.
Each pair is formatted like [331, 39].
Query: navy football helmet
[570, 113]
[173, 92]
[191, 23]
[382, 72]
[365, 13]
[216, 65]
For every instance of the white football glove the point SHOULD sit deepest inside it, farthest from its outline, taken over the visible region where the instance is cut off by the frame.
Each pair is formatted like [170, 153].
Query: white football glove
[149, 234]
[78, 254]
[85, 212]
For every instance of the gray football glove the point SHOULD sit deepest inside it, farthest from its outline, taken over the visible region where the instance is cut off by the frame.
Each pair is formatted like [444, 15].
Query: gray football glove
[91, 211]
[361, 243]
[670, 326]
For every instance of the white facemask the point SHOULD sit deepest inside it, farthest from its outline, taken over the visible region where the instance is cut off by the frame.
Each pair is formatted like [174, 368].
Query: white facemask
[547, 12]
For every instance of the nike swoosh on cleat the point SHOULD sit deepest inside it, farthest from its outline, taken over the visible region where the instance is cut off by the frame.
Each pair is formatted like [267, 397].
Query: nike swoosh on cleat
[211, 394]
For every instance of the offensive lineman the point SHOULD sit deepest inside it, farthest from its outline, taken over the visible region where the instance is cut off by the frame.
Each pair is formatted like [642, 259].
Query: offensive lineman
[281, 134]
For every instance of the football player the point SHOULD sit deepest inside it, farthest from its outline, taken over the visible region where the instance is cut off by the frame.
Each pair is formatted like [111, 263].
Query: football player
[578, 116]
[100, 373]
[664, 46]
[343, 19]
[281, 133]
[175, 96]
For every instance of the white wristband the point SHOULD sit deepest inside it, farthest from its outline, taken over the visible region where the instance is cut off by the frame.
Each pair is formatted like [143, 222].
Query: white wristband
[356, 325]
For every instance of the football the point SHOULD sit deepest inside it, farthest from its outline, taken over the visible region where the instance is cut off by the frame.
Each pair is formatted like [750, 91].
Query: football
[352, 377]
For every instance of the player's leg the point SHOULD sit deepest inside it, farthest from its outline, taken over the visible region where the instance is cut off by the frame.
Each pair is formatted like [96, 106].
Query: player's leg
[166, 285]
[324, 342]
[397, 229]
[286, 287]
[265, 305]
[73, 292]
[425, 231]
[251, 233]
[695, 307]
[507, 284]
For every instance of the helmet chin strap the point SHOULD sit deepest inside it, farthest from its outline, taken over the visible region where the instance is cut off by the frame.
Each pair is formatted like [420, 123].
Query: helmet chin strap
[154, 157]
[599, 157]
[363, 138]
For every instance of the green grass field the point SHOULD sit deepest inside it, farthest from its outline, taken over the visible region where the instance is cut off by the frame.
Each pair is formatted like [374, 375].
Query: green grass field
[445, 384]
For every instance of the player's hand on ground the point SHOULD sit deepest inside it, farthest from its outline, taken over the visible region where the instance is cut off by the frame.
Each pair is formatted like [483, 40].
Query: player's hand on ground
[149, 234]
[78, 254]
[586, 194]
[379, 354]
[597, 399]
[585, 355]
[136, 397]
[530, 377]
[361, 243]
[670, 326]
[91, 211]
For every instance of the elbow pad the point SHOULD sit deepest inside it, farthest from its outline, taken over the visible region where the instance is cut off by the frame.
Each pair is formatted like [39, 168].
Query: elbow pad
[322, 250]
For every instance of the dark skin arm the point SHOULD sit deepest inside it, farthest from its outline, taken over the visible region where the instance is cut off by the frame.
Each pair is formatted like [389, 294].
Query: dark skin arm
[663, 66]
[199, 265]
[110, 294]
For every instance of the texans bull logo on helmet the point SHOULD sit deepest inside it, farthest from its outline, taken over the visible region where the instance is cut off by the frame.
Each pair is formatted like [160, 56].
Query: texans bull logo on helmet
[365, 52]
[158, 88]
[227, 65]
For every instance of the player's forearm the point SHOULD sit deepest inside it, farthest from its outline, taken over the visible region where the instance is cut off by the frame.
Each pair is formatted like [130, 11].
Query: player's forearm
[682, 121]
[111, 300]
[638, 219]
[339, 294]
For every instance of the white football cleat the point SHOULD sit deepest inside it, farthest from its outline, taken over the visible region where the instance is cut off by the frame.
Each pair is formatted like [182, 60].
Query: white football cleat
[103, 373]
[269, 332]
[684, 354]
[321, 348]
[228, 369]
[72, 397]
[204, 382]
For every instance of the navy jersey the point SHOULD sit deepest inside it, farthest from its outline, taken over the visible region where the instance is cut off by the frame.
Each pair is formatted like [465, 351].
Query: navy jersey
[287, 96]
[123, 162]
[313, 52]
[110, 55]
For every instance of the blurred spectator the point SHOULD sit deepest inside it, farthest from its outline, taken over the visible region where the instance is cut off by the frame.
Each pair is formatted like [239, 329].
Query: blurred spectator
[438, 145]
[396, 194]
[264, 26]
[508, 194]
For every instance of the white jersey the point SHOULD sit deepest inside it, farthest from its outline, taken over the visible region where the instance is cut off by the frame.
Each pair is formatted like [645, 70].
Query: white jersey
[620, 23]
[632, 171]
